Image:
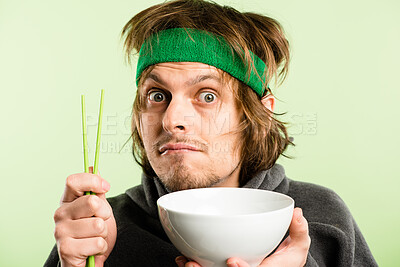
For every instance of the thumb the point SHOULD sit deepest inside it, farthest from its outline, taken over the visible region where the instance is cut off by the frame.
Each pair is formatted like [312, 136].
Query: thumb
[298, 229]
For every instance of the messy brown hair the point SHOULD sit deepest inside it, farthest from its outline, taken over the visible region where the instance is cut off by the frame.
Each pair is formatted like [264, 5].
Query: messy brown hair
[266, 137]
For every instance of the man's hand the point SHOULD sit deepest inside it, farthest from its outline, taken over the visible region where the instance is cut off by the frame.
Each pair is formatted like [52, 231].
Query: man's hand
[291, 252]
[85, 224]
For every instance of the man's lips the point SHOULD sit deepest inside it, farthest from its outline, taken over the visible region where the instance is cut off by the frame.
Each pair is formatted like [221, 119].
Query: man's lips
[177, 148]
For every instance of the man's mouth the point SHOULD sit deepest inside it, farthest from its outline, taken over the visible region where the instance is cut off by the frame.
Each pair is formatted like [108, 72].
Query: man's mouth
[171, 148]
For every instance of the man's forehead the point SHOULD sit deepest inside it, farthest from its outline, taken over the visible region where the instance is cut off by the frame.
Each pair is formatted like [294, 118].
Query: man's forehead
[186, 67]
[193, 73]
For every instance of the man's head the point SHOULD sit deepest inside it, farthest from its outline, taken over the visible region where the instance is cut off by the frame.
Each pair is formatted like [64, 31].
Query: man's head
[195, 125]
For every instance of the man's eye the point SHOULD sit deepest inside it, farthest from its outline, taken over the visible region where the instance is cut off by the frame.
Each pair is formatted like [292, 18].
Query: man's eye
[157, 96]
[207, 97]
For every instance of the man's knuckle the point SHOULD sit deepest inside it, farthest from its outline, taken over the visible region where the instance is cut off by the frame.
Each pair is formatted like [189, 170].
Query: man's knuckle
[64, 248]
[59, 231]
[71, 181]
[93, 203]
[105, 246]
[105, 231]
[96, 182]
[100, 244]
[98, 225]
[59, 214]
[109, 210]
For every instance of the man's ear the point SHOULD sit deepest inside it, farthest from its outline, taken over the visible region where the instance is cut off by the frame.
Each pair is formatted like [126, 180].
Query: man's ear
[269, 102]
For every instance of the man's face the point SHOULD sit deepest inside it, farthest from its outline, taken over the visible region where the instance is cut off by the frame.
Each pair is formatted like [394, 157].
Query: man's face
[187, 126]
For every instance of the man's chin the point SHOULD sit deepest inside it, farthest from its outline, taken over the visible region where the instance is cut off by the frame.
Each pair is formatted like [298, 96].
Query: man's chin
[175, 188]
[179, 164]
[181, 179]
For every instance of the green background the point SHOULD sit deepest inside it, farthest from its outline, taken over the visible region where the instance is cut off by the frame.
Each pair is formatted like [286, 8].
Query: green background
[341, 98]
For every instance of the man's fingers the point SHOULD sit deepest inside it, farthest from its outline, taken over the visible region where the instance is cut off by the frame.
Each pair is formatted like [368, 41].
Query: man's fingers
[236, 262]
[83, 228]
[180, 261]
[77, 184]
[84, 207]
[192, 264]
[79, 249]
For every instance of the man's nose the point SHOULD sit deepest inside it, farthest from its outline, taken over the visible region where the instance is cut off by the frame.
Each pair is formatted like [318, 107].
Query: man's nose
[178, 117]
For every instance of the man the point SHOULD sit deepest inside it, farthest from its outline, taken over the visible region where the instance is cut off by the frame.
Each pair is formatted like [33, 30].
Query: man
[202, 117]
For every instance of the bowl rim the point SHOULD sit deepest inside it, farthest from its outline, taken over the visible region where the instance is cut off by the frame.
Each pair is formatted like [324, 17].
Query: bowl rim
[289, 206]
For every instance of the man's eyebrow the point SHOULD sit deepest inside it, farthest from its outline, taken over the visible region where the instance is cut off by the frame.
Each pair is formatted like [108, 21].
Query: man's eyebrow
[201, 78]
[155, 78]
[195, 80]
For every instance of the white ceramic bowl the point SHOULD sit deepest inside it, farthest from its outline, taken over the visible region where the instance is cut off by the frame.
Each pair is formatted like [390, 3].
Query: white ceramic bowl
[210, 225]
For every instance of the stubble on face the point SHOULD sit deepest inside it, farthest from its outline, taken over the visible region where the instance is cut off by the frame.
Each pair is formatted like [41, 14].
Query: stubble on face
[178, 175]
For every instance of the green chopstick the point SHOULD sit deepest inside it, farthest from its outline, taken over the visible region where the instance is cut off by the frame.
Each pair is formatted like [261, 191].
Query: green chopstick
[90, 259]
[84, 131]
[96, 158]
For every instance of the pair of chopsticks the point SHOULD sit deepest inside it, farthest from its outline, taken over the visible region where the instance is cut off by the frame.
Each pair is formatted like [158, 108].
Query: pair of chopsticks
[90, 259]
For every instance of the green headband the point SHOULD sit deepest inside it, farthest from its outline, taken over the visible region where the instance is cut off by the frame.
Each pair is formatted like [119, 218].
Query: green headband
[175, 45]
